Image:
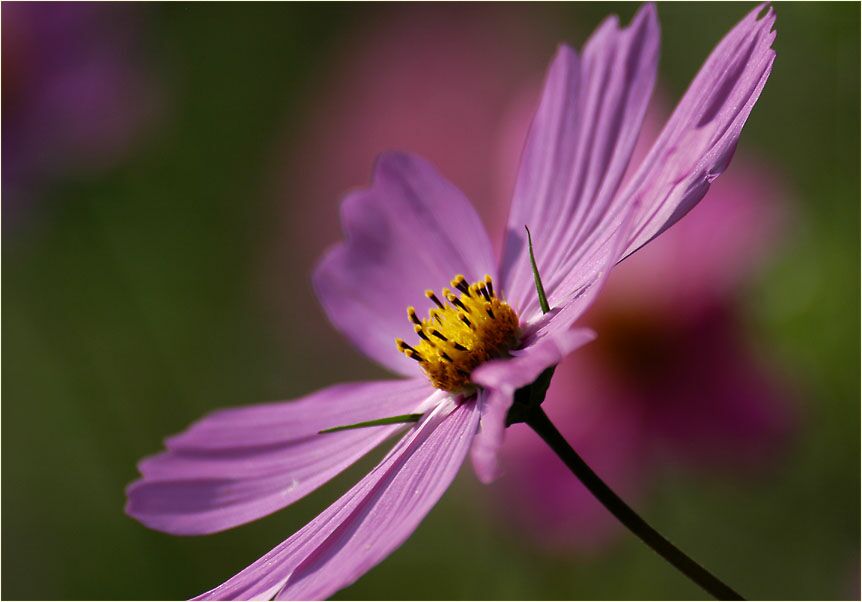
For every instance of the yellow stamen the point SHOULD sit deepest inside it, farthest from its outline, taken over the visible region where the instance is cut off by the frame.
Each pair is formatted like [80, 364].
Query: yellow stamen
[455, 338]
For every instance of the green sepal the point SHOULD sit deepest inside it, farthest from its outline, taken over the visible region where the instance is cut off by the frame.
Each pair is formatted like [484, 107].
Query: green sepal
[530, 397]
[403, 418]
[540, 290]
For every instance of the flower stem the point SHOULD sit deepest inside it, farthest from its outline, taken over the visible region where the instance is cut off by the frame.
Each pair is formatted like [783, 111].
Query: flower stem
[539, 422]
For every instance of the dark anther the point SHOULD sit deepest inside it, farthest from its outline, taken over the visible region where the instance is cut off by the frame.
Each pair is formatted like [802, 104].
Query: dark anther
[439, 335]
[457, 302]
[434, 298]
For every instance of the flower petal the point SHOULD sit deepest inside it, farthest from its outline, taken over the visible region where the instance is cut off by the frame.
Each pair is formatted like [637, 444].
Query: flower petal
[240, 464]
[501, 378]
[368, 522]
[410, 231]
[495, 405]
[700, 137]
[577, 151]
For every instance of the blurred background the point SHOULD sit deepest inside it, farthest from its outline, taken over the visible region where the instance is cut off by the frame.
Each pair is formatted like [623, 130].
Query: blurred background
[171, 172]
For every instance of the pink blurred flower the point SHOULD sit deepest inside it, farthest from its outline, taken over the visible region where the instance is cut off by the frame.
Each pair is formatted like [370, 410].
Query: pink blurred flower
[75, 91]
[672, 372]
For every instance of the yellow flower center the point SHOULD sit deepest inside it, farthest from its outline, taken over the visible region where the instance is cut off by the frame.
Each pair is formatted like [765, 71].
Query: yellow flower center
[461, 333]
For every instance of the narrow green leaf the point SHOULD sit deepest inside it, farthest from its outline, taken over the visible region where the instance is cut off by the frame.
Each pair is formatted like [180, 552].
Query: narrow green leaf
[390, 420]
[540, 290]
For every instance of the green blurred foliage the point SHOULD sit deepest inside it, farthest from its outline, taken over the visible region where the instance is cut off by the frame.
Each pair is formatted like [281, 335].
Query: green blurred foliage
[135, 302]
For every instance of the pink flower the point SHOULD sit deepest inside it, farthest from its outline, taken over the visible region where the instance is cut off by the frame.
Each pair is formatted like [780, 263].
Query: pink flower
[412, 231]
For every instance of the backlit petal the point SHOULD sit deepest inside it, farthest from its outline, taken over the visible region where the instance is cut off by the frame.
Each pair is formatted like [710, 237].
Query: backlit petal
[698, 142]
[240, 464]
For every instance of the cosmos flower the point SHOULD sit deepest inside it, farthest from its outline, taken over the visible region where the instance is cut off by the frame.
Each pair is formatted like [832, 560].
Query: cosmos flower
[626, 415]
[478, 342]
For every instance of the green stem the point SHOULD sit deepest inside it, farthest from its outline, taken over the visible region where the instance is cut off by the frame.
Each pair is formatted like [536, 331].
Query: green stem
[539, 422]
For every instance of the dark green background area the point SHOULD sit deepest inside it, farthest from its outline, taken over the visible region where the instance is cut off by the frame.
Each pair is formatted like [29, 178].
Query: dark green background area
[133, 305]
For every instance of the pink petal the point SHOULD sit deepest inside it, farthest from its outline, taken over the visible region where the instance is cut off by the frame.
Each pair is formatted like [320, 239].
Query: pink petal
[495, 405]
[502, 378]
[411, 231]
[237, 465]
[367, 523]
[577, 151]
[698, 141]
